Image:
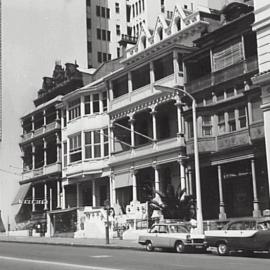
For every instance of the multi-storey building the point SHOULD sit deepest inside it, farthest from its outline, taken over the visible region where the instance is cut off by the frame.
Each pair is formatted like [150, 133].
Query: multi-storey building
[106, 22]
[41, 146]
[262, 28]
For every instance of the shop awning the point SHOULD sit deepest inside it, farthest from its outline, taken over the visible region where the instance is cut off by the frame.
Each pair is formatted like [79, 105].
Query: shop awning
[123, 180]
[21, 194]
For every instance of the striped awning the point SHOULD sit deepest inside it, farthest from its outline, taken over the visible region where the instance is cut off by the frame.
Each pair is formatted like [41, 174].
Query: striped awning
[21, 194]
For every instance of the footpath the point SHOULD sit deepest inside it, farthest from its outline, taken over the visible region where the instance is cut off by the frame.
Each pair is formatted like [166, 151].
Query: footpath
[79, 242]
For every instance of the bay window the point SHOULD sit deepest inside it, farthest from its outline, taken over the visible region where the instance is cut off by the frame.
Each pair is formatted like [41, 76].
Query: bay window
[75, 149]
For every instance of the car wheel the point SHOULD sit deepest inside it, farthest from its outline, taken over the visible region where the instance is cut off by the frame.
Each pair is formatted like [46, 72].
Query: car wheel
[179, 247]
[149, 246]
[222, 249]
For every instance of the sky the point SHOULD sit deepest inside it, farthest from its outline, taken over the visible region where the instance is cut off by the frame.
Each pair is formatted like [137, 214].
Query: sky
[35, 33]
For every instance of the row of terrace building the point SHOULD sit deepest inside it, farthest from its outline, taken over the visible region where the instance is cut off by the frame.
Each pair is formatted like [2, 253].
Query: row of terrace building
[106, 135]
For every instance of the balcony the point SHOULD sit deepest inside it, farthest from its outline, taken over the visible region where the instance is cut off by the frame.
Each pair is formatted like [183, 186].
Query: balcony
[257, 131]
[247, 66]
[41, 131]
[167, 146]
[233, 139]
[205, 145]
[45, 170]
[144, 92]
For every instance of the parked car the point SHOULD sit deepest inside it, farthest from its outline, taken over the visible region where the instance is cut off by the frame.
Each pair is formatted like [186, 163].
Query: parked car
[174, 236]
[246, 235]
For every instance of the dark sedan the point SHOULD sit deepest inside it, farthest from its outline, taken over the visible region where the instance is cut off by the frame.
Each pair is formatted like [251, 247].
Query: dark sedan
[246, 235]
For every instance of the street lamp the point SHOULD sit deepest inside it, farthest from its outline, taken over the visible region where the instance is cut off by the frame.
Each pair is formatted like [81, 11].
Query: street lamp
[199, 216]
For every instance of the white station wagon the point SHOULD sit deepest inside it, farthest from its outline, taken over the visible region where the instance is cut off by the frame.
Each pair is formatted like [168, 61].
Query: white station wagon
[174, 236]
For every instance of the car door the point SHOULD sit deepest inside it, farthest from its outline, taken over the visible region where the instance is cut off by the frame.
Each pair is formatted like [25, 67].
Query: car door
[152, 235]
[233, 234]
[162, 239]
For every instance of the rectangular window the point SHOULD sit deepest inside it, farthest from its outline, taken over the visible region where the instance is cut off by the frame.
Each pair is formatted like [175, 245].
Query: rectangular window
[109, 56]
[99, 57]
[74, 109]
[190, 129]
[97, 144]
[257, 114]
[120, 86]
[65, 154]
[103, 12]
[140, 77]
[89, 23]
[117, 8]
[98, 33]
[104, 101]
[118, 52]
[227, 55]
[230, 93]
[96, 103]
[106, 142]
[242, 118]
[104, 58]
[98, 11]
[88, 144]
[75, 150]
[89, 46]
[108, 36]
[220, 96]
[221, 123]
[108, 13]
[232, 124]
[206, 125]
[163, 67]
[88, 3]
[103, 34]
[118, 32]
[208, 99]
[87, 104]
[240, 88]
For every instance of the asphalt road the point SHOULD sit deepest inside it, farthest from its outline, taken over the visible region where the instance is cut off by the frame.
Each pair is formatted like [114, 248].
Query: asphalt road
[14, 256]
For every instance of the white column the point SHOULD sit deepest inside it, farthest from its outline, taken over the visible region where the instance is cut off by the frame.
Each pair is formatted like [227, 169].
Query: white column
[190, 181]
[130, 82]
[111, 139]
[33, 122]
[182, 174]
[58, 148]
[152, 73]
[110, 91]
[112, 189]
[154, 121]
[45, 151]
[78, 194]
[131, 121]
[178, 105]
[51, 199]
[33, 156]
[102, 142]
[44, 120]
[83, 145]
[33, 198]
[256, 207]
[45, 197]
[58, 193]
[94, 193]
[63, 197]
[134, 185]
[175, 66]
[157, 180]
[222, 214]
[82, 105]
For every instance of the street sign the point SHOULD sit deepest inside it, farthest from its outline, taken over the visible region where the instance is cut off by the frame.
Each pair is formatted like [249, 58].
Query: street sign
[36, 201]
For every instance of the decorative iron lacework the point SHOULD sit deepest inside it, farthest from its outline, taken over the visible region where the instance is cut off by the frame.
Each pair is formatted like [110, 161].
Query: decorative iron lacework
[140, 107]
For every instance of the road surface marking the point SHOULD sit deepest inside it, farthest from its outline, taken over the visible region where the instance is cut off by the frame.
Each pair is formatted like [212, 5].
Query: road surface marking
[57, 263]
[101, 256]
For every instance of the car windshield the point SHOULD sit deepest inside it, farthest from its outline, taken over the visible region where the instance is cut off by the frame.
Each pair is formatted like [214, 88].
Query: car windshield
[264, 225]
[178, 229]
